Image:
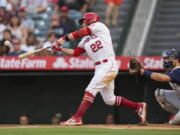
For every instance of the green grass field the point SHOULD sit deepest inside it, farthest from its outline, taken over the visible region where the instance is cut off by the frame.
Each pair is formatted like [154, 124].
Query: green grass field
[84, 131]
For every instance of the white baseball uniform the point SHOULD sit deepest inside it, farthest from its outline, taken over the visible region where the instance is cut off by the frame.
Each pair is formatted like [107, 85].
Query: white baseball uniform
[99, 48]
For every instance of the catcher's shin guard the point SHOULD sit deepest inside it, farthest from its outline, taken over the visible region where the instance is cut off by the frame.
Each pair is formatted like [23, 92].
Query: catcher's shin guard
[161, 99]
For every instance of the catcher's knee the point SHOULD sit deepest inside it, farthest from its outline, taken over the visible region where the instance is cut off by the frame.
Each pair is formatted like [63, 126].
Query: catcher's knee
[159, 93]
[161, 99]
[110, 100]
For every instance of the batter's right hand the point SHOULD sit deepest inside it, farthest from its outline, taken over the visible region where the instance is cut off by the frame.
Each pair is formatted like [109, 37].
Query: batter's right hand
[61, 41]
[55, 46]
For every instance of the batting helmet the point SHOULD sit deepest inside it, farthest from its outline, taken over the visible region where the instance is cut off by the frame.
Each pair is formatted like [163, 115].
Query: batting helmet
[169, 56]
[89, 18]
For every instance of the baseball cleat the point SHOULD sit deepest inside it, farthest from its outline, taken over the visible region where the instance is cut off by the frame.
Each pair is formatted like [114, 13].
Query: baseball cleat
[73, 121]
[142, 111]
[175, 119]
[171, 117]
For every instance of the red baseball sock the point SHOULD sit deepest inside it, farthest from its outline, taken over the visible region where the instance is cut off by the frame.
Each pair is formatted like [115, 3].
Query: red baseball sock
[85, 104]
[121, 101]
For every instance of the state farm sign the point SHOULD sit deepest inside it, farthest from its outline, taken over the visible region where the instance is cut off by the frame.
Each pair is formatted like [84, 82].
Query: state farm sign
[152, 63]
[14, 63]
[71, 63]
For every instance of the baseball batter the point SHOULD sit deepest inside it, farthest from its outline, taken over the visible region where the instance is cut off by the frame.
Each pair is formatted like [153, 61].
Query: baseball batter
[96, 42]
[168, 99]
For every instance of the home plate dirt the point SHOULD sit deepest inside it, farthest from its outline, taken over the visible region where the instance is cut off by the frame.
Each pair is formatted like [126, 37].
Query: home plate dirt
[149, 126]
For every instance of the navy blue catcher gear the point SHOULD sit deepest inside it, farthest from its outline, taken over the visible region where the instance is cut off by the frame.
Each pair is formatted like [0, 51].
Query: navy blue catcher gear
[169, 56]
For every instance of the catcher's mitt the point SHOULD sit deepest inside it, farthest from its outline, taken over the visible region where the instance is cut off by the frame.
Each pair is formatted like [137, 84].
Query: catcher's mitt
[135, 66]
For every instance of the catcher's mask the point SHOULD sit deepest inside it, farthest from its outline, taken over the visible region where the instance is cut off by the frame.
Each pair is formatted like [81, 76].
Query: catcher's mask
[169, 56]
[89, 18]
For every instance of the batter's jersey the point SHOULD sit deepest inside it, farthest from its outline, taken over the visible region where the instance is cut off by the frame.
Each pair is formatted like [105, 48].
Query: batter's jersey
[175, 79]
[98, 45]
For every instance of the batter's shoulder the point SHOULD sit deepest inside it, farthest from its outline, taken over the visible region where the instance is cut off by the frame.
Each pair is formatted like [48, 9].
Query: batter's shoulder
[100, 24]
[83, 39]
[98, 27]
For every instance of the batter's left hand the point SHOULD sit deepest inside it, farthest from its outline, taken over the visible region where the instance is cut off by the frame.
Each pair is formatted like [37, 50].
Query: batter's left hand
[61, 41]
[55, 46]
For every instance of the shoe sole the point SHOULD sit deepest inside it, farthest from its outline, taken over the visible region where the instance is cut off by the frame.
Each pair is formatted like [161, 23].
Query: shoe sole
[73, 124]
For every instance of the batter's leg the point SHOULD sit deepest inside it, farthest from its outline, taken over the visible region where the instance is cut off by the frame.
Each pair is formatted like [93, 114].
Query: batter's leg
[112, 100]
[76, 119]
[93, 88]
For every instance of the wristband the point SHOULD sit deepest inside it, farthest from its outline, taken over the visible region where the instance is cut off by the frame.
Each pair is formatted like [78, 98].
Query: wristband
[66, 37]
[147, 74]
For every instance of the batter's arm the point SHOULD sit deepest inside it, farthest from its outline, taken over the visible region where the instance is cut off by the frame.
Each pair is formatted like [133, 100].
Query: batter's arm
[67, 51]
[73, 36]
[78, 34]
[73, 52]
[156, 76]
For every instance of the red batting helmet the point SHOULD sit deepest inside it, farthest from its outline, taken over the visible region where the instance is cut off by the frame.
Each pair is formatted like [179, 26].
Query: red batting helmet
[89, 18]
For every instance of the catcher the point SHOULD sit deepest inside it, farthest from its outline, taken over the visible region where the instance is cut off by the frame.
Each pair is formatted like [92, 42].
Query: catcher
[96, 42]
[168, 99]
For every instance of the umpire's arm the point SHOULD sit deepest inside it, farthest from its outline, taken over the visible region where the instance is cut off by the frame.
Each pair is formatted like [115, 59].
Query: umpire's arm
[156, 76]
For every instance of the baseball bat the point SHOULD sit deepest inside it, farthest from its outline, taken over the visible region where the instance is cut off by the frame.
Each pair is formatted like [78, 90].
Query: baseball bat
[28, 54]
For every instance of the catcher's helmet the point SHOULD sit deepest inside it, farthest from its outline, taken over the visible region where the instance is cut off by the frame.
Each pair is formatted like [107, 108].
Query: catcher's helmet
[89, 18]
[169, 56]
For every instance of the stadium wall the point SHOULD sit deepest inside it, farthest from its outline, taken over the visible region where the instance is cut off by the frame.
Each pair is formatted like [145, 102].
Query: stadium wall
[41, 96]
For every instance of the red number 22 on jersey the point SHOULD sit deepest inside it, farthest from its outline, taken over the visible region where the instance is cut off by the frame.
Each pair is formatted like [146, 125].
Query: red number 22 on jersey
[96, 46]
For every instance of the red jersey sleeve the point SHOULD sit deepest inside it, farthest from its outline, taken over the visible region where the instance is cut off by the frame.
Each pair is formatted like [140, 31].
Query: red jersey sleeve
[78, 51]
[81, 33]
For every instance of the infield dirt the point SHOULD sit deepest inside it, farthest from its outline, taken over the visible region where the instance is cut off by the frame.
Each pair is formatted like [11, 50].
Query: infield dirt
[148, 126]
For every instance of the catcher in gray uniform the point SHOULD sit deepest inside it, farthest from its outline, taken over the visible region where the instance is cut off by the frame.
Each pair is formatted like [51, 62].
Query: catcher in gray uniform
[168, 99]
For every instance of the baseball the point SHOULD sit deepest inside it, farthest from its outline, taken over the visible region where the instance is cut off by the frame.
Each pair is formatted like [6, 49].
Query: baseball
[7, 43]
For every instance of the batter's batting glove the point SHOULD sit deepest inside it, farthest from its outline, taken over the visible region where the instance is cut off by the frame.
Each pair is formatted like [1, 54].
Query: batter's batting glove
[56, 46]
[61, 41]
